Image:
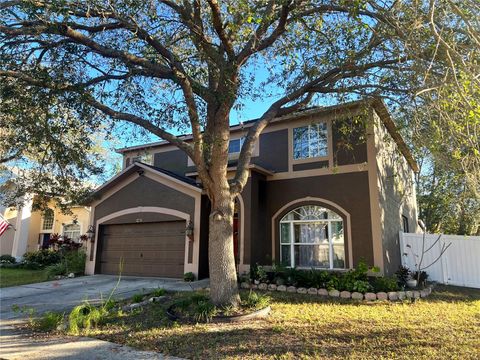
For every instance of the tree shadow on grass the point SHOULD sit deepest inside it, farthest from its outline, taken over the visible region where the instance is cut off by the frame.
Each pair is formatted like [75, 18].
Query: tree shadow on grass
[269, 340]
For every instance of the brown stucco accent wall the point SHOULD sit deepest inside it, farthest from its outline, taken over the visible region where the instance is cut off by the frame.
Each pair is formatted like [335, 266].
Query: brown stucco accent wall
[350, 191]
[349, 147]
[273, 154]
[145, 192]
[175, 161]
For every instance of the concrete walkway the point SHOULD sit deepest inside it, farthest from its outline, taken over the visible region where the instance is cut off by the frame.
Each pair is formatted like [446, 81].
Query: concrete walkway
[15, 344]
[65, 294]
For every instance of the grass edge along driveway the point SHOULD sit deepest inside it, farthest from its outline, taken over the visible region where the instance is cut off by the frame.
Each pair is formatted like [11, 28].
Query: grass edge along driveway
[15, 277]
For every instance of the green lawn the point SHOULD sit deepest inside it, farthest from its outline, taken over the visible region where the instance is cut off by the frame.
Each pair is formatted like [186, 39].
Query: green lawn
[13, 277]
[445, 325]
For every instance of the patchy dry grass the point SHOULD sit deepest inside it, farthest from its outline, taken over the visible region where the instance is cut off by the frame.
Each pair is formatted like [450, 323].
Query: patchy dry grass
[444, 326]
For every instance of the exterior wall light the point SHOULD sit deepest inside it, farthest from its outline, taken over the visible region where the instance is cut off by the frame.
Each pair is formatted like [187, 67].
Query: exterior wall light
[189, 230]
[91, 233]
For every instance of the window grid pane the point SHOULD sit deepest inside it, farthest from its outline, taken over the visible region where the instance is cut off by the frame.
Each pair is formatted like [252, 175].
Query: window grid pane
[312, 237]
[310, 141]
[47, 220]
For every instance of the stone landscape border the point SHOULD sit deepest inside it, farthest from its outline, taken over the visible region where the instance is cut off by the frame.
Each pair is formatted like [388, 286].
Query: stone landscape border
[369, 296]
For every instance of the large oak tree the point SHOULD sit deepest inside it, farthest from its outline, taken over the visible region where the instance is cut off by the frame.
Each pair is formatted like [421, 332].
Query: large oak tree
[167, 66]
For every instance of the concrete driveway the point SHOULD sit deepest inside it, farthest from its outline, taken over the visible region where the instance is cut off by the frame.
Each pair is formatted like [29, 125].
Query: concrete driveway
[63, 295]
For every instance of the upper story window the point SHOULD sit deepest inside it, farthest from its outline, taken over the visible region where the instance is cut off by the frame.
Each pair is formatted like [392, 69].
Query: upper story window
[310, 141]
[143, 158]
[47, 220]
[72, 231]
[235, 145]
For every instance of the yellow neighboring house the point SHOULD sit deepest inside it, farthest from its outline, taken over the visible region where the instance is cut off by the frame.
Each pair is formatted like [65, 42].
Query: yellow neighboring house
[31, 230]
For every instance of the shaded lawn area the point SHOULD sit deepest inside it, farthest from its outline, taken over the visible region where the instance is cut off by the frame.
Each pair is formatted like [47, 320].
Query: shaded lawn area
[445, 325]
[14, 277]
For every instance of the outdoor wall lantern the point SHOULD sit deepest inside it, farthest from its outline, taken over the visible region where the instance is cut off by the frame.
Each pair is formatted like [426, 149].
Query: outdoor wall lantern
[91, 233]
[189, 230]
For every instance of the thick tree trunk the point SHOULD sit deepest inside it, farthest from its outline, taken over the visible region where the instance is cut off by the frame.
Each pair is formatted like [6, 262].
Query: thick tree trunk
[223, 275]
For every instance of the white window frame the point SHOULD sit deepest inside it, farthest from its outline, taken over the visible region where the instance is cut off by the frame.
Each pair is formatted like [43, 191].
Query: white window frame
[311, 158]
[47, 231]
[72, 223]
[241, 140]
[292, 242]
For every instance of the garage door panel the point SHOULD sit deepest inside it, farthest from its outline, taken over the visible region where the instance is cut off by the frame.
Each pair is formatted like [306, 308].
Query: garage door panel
[147, 249]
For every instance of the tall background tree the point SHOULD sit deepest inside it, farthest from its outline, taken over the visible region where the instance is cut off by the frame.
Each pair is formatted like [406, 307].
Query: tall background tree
[170, 65]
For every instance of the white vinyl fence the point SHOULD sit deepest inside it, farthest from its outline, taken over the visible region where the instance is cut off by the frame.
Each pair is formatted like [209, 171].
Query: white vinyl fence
[459, 265]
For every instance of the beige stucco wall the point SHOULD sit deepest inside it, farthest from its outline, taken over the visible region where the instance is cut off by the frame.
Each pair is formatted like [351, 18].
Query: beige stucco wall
[396, 195]
[6, 239]
[81, 214]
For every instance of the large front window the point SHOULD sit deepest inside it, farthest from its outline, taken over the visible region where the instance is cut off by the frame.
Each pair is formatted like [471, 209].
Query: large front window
[72, 231]
[310, 141]
[312, 237]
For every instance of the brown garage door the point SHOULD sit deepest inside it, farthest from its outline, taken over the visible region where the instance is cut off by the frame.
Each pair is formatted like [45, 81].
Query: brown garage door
[147, 249]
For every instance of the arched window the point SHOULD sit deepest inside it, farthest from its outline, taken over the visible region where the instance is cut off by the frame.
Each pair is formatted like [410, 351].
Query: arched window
[47, 220]
[312, 237]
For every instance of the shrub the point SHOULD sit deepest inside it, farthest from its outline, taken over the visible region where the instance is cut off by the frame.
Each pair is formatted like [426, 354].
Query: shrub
[71, 262]
[74, 261]
[204, 311]
[86, 316]
[7, 259]
[42, 257]
[159, 292]
[57, 269]
[48, 321]
[385, 284]
[189, 276]
[403, 274]
[31, 265]
[423, 277]
[109, 304]
[137, 298]
[361, 286]
[255, 301]
[257, 272]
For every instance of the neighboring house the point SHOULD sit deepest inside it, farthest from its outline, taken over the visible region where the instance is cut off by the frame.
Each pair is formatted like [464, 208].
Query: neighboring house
[317, 197]
[31, 229]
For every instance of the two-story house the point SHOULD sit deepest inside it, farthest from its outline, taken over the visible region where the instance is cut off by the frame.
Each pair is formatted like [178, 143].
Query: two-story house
[327, 187]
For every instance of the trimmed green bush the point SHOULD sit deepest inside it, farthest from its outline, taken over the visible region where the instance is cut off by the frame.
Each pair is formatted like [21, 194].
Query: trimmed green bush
[42, 257]
[189, 276]
[7, 259]
[385, 284]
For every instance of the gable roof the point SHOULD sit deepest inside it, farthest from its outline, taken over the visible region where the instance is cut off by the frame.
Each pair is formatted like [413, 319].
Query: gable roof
[139, 167]
[377, 104]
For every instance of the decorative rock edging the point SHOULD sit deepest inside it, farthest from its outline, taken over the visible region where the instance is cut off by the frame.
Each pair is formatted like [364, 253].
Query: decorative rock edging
[380, 296]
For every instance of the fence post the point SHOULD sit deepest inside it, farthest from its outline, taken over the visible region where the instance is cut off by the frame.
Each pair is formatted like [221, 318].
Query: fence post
[443, 262]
